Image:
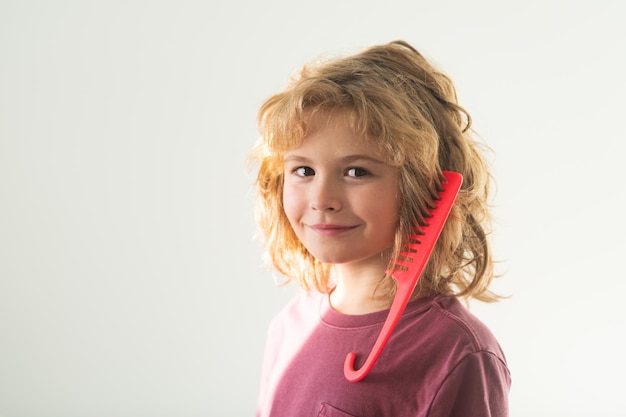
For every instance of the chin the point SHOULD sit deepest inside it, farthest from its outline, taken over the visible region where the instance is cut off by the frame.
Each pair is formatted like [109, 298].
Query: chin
[334, 259]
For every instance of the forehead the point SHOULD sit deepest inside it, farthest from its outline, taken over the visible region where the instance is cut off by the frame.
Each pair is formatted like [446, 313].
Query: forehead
[337, 130]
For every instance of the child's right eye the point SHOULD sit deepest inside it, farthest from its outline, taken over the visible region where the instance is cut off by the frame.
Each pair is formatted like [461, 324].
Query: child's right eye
[303, 171]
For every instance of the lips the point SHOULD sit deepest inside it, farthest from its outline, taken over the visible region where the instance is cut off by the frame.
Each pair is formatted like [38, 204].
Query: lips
[326, 229]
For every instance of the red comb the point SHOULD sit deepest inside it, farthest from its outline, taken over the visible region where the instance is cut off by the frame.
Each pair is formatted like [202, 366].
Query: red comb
[417, 253]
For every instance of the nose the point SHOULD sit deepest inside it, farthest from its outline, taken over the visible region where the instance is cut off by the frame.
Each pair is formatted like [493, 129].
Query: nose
[325, 195]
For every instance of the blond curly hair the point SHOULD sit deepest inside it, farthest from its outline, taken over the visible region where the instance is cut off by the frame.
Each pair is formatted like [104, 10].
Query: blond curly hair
[396, 97]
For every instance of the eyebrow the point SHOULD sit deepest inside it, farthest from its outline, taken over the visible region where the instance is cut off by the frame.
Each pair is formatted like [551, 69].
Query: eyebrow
[345, 159]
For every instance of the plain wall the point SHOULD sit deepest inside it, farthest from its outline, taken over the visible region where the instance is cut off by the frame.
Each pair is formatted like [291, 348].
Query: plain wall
[130, 280]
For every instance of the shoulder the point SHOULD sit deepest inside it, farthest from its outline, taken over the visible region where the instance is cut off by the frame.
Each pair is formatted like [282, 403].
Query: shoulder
[301, 309]
[291, 326]
[455, 321]
[302, 303]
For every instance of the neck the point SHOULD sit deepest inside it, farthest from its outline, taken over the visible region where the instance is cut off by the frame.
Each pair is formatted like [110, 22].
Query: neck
[355, 290]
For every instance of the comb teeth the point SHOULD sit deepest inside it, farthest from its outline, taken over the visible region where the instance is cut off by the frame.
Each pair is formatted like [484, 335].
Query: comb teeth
[409, 252]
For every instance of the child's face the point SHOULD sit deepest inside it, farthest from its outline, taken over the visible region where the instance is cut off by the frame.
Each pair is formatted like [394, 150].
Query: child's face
[339, 196]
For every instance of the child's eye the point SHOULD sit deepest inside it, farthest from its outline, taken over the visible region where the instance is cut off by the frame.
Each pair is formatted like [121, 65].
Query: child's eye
[303, 171]
[357, 172]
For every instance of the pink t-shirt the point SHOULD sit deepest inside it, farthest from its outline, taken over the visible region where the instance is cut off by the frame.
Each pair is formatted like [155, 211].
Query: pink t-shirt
[440, 361]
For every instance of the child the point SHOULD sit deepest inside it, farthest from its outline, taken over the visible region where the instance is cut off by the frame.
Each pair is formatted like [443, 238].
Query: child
[350, 159]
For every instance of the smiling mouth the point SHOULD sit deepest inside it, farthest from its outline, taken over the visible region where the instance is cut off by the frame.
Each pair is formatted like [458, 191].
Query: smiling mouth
[330, 229]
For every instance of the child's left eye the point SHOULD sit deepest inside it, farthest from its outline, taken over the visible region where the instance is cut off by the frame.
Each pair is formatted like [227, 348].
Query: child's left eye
[357, 172]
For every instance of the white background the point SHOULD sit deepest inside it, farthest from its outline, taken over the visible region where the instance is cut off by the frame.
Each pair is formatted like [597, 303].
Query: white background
[130, 282]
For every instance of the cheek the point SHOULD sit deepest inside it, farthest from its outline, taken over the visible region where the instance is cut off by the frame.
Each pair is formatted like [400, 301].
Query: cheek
[385, 210]
[291, 204]
[383, 200]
